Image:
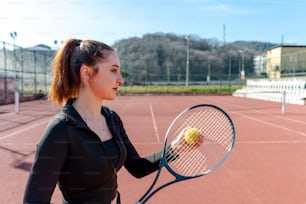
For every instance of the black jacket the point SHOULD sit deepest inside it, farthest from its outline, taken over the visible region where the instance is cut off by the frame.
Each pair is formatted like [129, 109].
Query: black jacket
[74, 156]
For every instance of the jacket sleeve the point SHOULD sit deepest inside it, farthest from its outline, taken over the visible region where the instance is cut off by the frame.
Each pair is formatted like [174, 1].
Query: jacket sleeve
[141, 166]
[135, 164]
[50, 156]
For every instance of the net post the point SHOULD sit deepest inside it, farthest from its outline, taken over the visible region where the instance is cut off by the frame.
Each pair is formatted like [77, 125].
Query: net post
[284, 101]
[17, 99]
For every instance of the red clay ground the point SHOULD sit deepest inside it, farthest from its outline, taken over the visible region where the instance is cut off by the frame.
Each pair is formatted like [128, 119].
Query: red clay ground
[267, 164]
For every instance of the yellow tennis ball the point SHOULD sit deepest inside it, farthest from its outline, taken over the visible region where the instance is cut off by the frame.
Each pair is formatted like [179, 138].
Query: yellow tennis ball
[192, 135]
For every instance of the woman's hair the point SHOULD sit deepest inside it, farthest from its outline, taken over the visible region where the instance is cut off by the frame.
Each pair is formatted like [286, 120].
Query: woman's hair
[67, 62]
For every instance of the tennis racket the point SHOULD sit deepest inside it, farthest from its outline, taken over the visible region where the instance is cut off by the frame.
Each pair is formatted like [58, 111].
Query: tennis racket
[199, 152]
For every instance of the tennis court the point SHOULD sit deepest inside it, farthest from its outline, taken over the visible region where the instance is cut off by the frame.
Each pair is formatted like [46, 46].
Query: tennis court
[267, 164]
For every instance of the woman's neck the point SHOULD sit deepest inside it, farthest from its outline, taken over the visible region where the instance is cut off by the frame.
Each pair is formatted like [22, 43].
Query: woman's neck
[89, 108]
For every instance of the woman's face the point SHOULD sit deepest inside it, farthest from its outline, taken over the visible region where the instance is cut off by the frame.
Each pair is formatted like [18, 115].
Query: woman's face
[105, 84]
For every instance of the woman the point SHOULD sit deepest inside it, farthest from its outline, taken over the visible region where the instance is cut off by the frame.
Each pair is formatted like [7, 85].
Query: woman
[85, 144]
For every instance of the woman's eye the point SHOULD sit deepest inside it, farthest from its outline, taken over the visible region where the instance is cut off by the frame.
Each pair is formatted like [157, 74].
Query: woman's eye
[115, 69]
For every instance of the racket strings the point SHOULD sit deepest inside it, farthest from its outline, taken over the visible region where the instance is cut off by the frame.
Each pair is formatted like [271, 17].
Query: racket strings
[189, 162]
[217, 132]
[214, 130]
[192, 164]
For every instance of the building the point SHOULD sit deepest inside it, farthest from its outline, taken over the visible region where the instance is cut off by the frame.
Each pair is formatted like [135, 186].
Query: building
[39, 47]
[260, 64]
[285, 65]
[286, 60]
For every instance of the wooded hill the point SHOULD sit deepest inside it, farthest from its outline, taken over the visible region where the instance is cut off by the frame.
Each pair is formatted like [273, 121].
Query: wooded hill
[163, 56]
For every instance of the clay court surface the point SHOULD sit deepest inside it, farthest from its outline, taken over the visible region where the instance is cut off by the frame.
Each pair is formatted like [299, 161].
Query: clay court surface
[267, 165]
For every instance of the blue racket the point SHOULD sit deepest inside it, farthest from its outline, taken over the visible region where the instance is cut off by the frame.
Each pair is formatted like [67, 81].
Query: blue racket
[197, 142]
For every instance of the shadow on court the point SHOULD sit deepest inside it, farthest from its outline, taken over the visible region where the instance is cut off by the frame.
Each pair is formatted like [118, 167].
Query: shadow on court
[19, 159]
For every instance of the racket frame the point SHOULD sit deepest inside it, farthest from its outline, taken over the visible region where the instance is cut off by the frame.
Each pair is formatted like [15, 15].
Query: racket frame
[164, 163]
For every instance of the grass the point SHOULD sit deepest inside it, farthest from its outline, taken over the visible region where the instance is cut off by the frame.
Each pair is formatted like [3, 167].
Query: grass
[178, 89]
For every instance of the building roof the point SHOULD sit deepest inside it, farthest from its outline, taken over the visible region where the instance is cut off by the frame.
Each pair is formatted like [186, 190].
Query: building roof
[298, 46]
[39, 47]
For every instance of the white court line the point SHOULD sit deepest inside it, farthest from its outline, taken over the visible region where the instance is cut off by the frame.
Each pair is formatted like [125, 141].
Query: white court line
[272, 142]
[24, 129]
[17, 120]
[283, 118]
[271, 124]
[292, 120]
[154, 123]
[251, 142]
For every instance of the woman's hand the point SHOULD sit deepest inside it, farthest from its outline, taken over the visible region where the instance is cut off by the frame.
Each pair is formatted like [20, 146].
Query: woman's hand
[181, 144]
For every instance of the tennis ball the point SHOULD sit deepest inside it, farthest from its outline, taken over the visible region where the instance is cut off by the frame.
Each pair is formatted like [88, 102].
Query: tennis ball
[192, 135]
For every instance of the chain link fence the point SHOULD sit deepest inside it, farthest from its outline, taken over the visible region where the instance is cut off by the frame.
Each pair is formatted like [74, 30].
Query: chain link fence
[26, 70]
[294, 64]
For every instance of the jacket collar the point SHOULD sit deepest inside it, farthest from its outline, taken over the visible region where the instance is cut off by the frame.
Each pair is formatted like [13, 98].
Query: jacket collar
[74, 118]
[71, 114]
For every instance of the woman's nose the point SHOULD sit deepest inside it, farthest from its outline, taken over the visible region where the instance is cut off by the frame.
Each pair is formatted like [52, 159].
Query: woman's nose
[120, 80]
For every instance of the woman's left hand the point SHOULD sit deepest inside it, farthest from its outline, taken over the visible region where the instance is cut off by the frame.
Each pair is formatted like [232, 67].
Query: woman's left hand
[180, 144]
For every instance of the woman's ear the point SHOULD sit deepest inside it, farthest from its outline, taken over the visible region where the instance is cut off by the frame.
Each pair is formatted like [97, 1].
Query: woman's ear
[85, 73]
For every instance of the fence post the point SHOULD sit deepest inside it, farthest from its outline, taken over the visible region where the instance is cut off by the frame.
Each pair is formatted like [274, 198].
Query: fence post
[5, 70]
[17, 98]
[284, 101]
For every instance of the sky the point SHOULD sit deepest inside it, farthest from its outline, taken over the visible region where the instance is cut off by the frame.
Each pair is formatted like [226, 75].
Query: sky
[46, 21]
